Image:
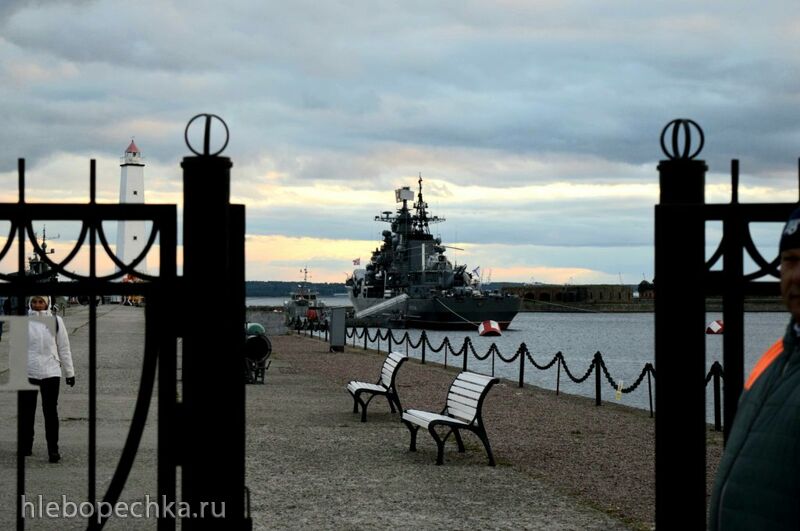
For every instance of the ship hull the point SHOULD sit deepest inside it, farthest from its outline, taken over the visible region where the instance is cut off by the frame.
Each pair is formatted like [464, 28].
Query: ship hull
[443, 313]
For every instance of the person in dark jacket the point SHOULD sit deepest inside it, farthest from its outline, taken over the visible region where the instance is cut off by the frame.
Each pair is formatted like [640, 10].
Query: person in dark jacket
[758, 481]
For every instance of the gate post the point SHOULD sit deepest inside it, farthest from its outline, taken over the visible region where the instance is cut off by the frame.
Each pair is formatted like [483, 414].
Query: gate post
[680, 331]
[213, 384]
[734, 228]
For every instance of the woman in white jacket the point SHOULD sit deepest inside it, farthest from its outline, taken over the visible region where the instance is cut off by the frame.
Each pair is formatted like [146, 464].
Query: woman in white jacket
[49, 357]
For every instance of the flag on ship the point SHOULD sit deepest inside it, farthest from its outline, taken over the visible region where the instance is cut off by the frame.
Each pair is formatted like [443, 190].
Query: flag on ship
[357, 261]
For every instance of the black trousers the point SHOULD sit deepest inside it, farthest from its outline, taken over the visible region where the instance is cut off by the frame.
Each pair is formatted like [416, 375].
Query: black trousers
[49, 388]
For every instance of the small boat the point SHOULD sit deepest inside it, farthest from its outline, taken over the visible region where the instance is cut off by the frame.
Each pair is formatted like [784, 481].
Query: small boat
[489, 328]
[304, 306]
[715, 327]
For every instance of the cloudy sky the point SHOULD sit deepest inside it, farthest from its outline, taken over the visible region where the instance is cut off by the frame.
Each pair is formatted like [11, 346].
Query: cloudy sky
[535, 124]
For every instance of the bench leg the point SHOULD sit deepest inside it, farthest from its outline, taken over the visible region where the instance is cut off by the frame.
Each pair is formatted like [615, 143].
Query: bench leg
[356, 402]
[413, 429]
[396, 399]
[439, 445]
[364, 408]
[485, 439]
[459, 441]
[390, 398]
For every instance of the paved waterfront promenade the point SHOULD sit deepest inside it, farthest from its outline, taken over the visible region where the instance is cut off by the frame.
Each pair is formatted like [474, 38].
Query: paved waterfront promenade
[310, 462]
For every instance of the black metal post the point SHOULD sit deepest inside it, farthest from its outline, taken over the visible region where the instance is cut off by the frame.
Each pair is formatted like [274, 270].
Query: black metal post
[717, 420]
[213, 387]
[734, 229]
[680, 328]
[521, 352]
[466, 349]
[558, 374]
[422, 340]
[650, 392]
[598, 391]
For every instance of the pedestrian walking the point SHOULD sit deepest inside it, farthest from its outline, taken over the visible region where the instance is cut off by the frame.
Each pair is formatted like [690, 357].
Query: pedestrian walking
[49, 358]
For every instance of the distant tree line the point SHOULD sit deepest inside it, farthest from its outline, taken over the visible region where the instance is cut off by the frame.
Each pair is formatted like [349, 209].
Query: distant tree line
[275, 288]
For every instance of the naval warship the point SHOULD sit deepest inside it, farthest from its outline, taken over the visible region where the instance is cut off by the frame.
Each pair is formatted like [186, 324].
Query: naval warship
[409, 282]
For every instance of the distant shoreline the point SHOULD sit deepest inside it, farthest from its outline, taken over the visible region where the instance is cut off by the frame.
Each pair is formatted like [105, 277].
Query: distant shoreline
[712, 305]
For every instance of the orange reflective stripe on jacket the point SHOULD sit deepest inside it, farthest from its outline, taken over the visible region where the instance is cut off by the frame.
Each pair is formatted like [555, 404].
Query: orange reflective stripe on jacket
[766, 359]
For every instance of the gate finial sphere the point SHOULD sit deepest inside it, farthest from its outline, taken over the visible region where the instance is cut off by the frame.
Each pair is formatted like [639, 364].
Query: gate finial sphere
[206, 135]
[685, 126]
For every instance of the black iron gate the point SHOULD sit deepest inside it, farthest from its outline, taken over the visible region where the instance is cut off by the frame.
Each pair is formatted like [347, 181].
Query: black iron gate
[684, 278]
[203, 433]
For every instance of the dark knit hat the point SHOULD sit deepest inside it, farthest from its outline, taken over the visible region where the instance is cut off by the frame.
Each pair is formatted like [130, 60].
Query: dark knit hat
[790, 237]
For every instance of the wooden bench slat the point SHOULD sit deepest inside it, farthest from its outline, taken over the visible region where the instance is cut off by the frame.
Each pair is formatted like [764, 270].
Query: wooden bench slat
[462, 402]
[355, 386]
[466, 393]
[467, 385]
[466, 414]
[389, 363]
[423, 418]
[396, 356]
[472, 377]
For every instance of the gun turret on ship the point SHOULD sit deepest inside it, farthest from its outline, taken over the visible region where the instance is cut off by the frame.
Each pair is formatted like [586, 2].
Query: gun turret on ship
[409, 282]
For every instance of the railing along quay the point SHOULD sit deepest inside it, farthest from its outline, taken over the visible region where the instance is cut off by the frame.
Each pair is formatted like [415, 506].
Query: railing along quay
[597, 366]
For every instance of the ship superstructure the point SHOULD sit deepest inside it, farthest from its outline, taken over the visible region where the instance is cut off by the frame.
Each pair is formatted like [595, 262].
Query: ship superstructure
[409, 280]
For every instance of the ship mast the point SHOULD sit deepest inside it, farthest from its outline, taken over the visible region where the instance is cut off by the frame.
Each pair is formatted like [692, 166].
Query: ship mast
[421, 218]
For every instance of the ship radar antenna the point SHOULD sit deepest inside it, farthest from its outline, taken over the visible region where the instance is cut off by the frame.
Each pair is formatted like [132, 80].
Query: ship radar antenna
[35, 263]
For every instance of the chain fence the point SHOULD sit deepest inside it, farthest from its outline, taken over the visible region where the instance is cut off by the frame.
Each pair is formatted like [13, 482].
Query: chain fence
[597, 366]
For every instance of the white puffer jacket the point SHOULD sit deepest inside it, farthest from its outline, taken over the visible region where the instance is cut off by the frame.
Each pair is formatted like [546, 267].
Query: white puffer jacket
[48, 354]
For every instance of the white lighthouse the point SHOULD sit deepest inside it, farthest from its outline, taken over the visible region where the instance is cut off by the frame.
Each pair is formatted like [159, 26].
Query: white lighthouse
[131, 233]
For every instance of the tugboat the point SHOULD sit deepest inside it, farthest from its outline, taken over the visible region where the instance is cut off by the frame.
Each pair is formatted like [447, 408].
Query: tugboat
[303, 305]
[409, 282]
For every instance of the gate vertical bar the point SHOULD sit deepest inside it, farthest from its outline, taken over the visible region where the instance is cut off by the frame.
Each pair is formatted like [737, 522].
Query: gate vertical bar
[92, 464]
[167, 385]
[239, 315]
[680, 334]
[734, 228]
[21, 270]
[213, 466]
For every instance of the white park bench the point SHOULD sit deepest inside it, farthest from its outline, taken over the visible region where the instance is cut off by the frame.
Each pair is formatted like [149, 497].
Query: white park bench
[462, 412]
[385, 386]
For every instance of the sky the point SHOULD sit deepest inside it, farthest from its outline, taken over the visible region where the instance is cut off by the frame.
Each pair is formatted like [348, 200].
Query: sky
[535, 125]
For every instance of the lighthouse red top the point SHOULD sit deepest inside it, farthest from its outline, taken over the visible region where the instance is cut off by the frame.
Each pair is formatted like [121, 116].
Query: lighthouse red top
[132, 148]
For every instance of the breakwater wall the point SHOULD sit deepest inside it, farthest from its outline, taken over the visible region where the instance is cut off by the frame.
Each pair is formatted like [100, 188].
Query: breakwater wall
[272, 321]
